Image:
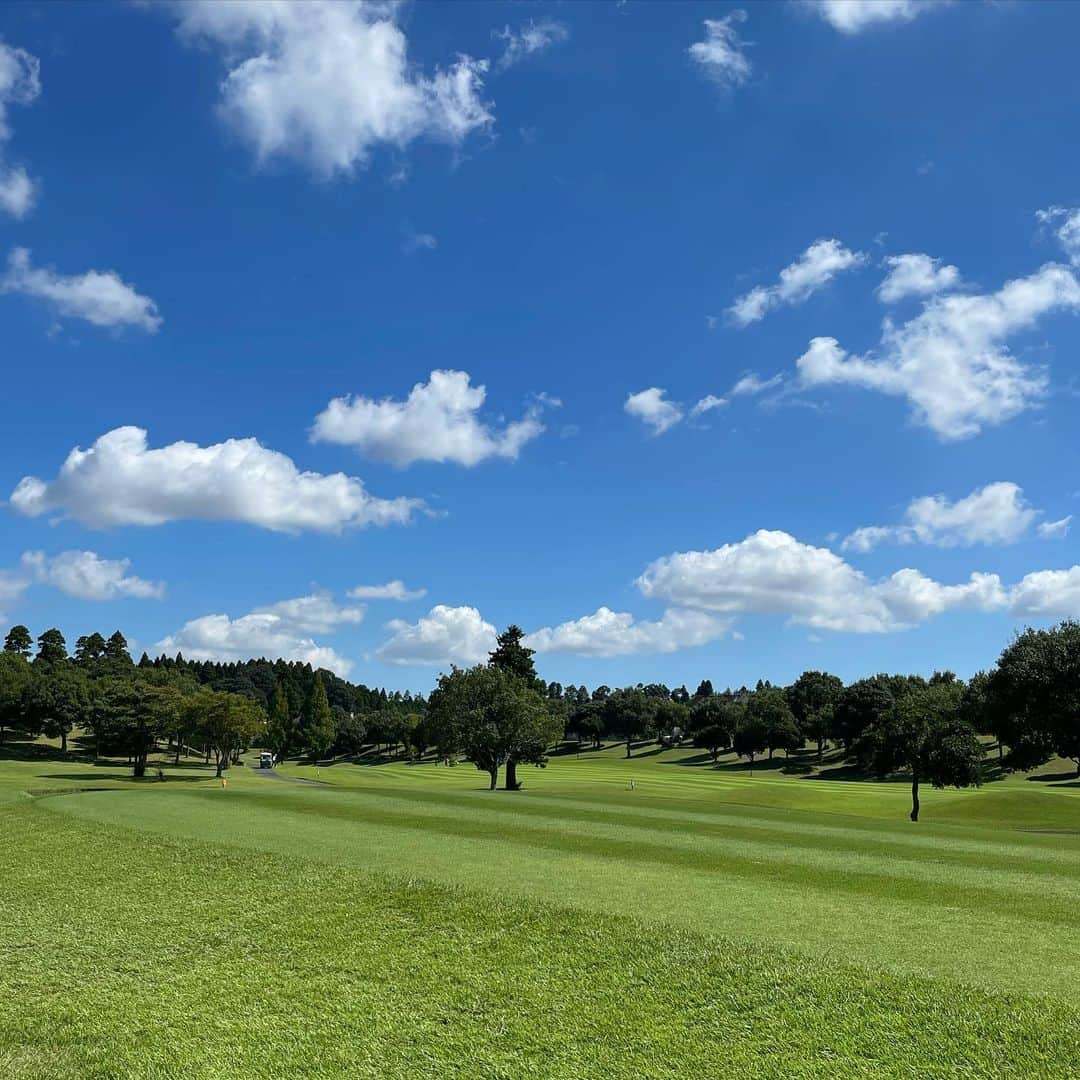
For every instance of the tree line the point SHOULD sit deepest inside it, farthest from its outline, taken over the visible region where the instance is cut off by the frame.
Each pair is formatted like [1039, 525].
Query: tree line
[501, 715]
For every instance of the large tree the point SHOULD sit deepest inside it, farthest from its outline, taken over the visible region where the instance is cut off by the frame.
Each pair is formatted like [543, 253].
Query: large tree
[56, 701]
[860, 706]
[15, 675]
[1033, 696]
[768, 707]
[629, 715]
[924, 734]
[492, 718]
[52, 648]
[511, 655]
[316, 720]
[812, 699]
[227, 724]
[18, 641]
[280, 728]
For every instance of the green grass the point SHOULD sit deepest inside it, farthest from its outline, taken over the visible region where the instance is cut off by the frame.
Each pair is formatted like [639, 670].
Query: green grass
[400, 920]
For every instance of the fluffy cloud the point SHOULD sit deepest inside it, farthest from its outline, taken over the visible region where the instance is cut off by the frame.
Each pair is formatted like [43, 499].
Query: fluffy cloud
[752, 383]
[1048, 594]
[1066, 226]
[392, 590]
[994, 514]
[324, 82]
[276, 630]
[616, 633]
[20, 84]
[720, 55]
[87, 576]
[916, 275]
[773, 573]
[446, 635]
[707, 404]
[12, 587]
[811, 271]
[653, 409]
[951, 361]
[533, 37]
[120, 481]
[100, 297]
[438, 421]
[854, 16]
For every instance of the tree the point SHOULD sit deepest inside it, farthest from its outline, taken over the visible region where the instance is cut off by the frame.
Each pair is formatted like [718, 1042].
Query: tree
[671, 719]
[316, 720]
[769, 708]
[511, 655]
[587, 721]
[924, 734]
[812, 699]
[714, 738]
[628, 714]
[55, 702]
[227, 724]
[860, 706]
[52, 648]
[18, 641]
[130, 715]
[89, 649]
[704, 689]
[751, 737]
[280, 729]
[1033, 696]
[15, 674]
[492, 718]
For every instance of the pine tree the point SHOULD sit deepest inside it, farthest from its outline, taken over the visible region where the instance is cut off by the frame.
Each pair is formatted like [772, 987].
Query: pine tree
[279, 729]
[512, 656]
[317, 731]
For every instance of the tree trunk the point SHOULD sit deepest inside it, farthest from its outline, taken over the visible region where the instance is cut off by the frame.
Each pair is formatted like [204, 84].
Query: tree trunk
[820, 748]
[494, 774]
[63, 741]
[220, 762]
[915, 797]
[512, 783]
[179, 747]
[1001, 751]
[628, 747]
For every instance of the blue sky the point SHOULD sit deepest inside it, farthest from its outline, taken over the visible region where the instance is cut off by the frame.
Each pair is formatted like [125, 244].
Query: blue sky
[219, 219]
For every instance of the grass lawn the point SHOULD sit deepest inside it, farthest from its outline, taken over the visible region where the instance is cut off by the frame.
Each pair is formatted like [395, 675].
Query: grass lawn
[401, 920]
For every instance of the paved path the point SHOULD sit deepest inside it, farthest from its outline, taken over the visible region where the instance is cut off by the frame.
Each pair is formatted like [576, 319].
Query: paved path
[273, 774]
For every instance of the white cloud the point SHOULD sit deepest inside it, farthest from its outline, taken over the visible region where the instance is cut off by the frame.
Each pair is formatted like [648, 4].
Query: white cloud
[446, 635]
[392, 590]
[616, 633]
[87, 576]
[653, 409]
[707, 404]
[811, 271]
[994, 514]
[314, 614]
[100, 297]
[120, 481]
[20, 84]
[277, 630]
[324, 82]
[752, 383]
[1048, 594]
[951, 361]
[533, 37]
[1054, 530]
[916, 275]
[720, 55]
[773, 573]
[437, 422]
[413, 241]
[1066, 223]
[854, 16]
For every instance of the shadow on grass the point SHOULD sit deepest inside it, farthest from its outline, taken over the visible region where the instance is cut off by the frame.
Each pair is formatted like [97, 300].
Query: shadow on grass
[1056, 778]
[32, 751]
[151, 777]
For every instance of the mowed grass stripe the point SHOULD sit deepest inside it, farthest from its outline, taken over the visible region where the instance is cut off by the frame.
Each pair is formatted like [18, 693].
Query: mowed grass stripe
[822, 914]
[185, 958]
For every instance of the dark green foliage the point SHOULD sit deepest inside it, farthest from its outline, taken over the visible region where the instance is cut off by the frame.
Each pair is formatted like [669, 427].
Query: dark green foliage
[812, 699]
[924, 734]
[52, 648]
[18, 641]
[316, 721]
[629, 716]
[492, 718]
[860, 706]
[511, 655]
[55, 702]
[1033, 696]
[15, 675]
[767, 707]
[714, 738]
